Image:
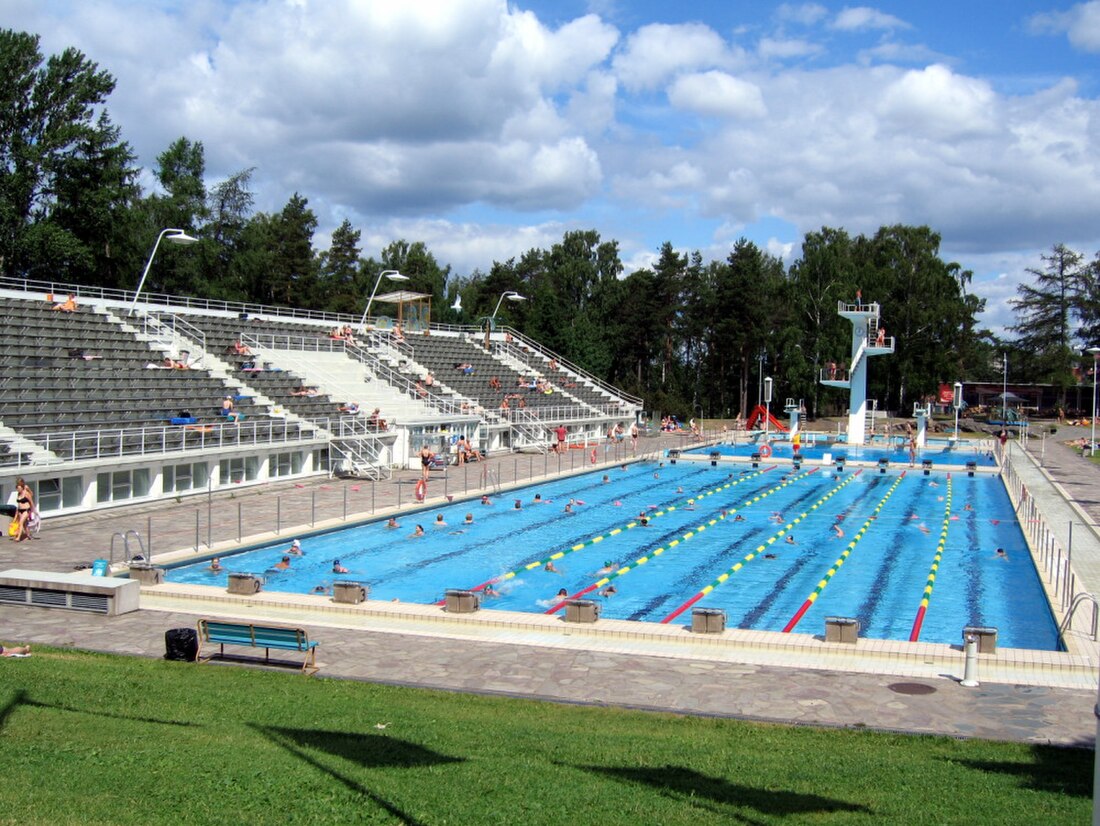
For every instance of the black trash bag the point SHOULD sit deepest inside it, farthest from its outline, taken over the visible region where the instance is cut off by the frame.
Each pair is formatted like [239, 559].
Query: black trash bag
[181, 644]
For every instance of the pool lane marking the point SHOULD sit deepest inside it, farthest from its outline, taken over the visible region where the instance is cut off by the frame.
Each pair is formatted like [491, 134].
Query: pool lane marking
[722, 578]
[675, 542]
[926, 597]
[812, 598]
[530, 566]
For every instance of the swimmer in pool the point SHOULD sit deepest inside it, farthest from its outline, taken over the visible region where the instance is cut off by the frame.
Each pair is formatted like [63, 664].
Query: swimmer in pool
[469, 519]
[643, 520]
[295, 548]
[568, 507]
[679, 490]
[392, 523]
[609, 591]
[790, 539]
[769, 556]
[538, 499]
[606, 479]
[439, 521]
[418, 532]
[608, 567]
[563, 594]
[283, 564]
[215, 565]
[320, 589]
[485, 500]
[839, 531]
[1000, 554]
[337, 568]
[518, 505]
[550, 569]
[490, 591]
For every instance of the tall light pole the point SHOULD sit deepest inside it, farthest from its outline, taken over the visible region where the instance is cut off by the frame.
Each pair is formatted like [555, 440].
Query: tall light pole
[511, 295]
[1095, 352]
[957, 402]
[760, 377]
[768, 409]
[392, 275]
[176, 236]
[1004, 390]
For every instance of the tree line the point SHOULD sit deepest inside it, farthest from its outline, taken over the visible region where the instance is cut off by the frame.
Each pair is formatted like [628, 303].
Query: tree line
[691, 336]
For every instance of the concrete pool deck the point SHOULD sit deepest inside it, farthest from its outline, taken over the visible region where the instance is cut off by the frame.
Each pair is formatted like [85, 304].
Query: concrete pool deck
[1028, 696]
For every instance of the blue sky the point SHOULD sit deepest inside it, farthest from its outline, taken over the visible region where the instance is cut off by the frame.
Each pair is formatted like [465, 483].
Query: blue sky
[485, 128]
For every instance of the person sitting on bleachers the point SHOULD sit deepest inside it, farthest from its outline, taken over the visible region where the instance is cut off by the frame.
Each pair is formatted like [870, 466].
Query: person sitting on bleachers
[171, 364]
[251, 367]
[376, 421]
[79, 353]
[494, 383]
[464, 367]
[306, 391]
[553, 364]
[229, 411]
[68, 305]
[238, 349]
[429, 380]
[351, 408]
[337, 333]
[398, 336]
[421, 390]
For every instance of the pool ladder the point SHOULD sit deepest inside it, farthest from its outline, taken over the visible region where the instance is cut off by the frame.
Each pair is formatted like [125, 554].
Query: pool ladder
[490, 478]
[1067, 621]
[125, 537]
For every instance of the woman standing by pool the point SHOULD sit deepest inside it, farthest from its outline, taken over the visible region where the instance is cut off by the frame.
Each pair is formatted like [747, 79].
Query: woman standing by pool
[24, 507]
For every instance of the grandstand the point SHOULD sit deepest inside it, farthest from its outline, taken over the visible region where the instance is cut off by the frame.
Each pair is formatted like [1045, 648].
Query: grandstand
[125, 401]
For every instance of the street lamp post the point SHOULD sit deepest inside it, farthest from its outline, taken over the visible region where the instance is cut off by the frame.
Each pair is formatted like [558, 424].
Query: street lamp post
[511, 295]
[957, 401]
[392, 275]
[768, 408]
[176, 236]
[1004, 390]
[1095, 351]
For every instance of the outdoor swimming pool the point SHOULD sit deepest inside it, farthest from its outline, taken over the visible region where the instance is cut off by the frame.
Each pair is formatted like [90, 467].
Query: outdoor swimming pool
[720, 531]
[940, 453]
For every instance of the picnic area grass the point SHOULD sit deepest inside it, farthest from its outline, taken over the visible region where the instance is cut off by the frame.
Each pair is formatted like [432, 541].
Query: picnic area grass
[95, 738]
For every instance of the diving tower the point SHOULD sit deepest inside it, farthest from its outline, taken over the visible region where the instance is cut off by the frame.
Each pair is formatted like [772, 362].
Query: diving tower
[868, 339]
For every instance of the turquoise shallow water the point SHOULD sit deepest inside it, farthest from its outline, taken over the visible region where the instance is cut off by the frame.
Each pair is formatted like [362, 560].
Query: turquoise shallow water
[693, 537]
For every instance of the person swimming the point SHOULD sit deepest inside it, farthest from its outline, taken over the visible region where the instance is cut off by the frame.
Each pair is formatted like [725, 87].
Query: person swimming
[440, 522]
[418, 532]
[392, 523]
[337, 568]
[609, 591]
[215, 565]
[485, 500]
[608, 567]
[550, 568]
[790, 539]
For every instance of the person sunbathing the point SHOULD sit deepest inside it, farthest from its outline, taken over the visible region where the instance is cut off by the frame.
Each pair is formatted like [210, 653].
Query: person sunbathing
[68, 305]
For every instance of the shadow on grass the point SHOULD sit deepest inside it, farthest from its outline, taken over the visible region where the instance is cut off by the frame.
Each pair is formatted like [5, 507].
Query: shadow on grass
[1053, 770]
[21, 698]
[697, 788]
[368, 750]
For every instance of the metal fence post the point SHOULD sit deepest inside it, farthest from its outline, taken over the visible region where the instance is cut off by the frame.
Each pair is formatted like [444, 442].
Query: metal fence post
[196, 530]
[239, 531]
[313, 508]
[149, 536]
[372, 486]
[278, 514]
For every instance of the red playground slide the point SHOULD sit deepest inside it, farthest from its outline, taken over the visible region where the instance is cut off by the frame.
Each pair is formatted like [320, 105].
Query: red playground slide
[757, 417]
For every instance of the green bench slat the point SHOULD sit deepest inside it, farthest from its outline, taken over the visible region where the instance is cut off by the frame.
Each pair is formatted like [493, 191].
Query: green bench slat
[258, 636]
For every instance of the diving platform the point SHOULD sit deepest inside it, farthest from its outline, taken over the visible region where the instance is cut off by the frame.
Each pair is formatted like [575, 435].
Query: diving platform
[868, 339]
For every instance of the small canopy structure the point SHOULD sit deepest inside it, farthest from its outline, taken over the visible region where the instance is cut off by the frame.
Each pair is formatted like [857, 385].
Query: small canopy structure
[414, 310]
[1009, 398]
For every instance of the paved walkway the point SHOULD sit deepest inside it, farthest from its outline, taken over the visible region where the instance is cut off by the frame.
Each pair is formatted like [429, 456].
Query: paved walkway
[683, 684]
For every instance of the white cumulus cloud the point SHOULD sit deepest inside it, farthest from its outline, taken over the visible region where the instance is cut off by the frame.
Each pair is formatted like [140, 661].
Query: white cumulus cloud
[859, 18]
[717, 93]
[1081, 24]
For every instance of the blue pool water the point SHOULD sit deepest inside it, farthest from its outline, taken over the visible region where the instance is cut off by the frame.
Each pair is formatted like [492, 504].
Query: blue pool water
[939, 453]
[688, 546]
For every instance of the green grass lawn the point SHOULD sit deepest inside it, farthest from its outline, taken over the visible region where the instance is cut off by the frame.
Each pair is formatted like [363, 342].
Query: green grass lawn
[87, 738]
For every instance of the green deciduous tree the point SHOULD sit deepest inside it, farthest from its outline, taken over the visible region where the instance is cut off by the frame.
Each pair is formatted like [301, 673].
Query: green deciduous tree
[66, 178]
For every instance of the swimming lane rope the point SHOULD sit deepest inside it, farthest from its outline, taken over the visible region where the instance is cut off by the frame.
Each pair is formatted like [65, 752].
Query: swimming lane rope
[866, 526]
[675, 542]
[721, 580]
[926, 597]
[538, 563]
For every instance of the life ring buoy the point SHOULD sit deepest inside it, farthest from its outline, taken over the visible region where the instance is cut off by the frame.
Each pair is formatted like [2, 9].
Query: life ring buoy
[765, 451]
[593, 455]
[421, 490]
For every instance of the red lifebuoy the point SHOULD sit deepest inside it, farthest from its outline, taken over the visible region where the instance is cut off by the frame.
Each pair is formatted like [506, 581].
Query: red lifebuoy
[765, 451]
[421, 490]
[593, 455]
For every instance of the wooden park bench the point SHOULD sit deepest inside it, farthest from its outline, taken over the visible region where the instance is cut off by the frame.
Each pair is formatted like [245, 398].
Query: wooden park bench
[249, 634]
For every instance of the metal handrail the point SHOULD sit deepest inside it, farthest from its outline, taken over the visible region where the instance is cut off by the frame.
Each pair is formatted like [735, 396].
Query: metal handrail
[1078, 599]
[564, 362]
[136, 441]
